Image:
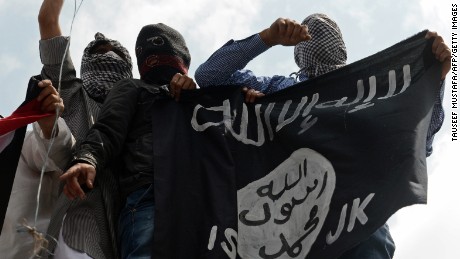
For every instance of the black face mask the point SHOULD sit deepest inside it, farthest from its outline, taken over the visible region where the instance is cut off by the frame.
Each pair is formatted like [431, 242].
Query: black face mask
[160, 75]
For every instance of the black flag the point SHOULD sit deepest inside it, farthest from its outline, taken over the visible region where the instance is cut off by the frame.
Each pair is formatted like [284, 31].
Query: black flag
[307, 172]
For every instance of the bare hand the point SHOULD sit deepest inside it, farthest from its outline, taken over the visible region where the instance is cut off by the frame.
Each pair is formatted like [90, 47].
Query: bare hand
[179, 82]
[285, 32]
[441, 51]
[251, 94]
[51, 102]
[78, 174]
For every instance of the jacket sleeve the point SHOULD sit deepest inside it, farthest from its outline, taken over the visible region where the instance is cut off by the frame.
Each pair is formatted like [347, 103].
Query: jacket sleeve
[105, 140]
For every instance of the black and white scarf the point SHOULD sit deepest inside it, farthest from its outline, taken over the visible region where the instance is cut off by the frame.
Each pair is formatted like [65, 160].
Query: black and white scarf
[99, 72]
[325, 51]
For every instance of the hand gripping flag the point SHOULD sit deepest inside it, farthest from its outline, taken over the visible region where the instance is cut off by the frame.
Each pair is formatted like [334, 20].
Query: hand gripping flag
[12, 132]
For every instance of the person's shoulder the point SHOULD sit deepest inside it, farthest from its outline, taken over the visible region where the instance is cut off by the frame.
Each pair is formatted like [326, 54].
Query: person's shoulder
[140, 85]
[132, 84]
[127, 82]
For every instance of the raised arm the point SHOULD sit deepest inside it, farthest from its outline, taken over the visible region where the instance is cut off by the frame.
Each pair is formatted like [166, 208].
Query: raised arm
[52, 47]
[225, 66]
[48, 19]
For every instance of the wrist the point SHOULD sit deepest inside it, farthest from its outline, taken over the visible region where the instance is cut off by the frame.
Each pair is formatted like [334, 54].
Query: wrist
[265, 36]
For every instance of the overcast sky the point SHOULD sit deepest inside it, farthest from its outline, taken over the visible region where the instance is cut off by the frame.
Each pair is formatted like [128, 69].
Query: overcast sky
[422, 232]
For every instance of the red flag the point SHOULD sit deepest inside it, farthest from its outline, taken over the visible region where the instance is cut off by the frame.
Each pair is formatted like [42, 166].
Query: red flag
[25, 114]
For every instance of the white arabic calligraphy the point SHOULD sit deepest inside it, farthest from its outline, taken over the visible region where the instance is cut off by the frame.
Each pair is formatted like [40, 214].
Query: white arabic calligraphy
[287, 116]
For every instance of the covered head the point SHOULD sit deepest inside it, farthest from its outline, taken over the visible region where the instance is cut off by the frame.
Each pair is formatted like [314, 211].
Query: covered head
[100, 70]
[161, 52]
[325, 51]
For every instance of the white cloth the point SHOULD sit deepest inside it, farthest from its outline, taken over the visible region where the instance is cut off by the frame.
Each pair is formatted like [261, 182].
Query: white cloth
[63, 251]
[23, 199]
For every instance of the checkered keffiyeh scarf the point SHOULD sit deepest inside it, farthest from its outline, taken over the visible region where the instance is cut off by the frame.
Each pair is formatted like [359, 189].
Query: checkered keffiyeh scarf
[325, 51]
[99, 72]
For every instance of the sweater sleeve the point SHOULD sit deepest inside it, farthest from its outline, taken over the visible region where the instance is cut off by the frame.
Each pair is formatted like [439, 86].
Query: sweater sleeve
[52, 54]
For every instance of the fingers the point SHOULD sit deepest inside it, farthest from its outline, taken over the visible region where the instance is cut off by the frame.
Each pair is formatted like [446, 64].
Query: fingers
[304, 34]
[47, 89]
[251, 95]
[439, 47]
[189, 84]
[441, 51]
[49, 97]
[69, 193]
[174, 86]
[60, 106]
[185, 82]
[179, 82]
[293, 28]
[90, 176]
[295, 32]
[288, 32]
[70, 177]
[44, 83]
[73, 190]
[51, 103]
[279, 27]
[286, 28]
[300, 34]
[430, 34]
[78, 174]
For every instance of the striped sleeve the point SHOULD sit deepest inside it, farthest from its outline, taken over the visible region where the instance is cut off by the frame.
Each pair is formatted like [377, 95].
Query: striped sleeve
[51, 54]
[225, 67]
